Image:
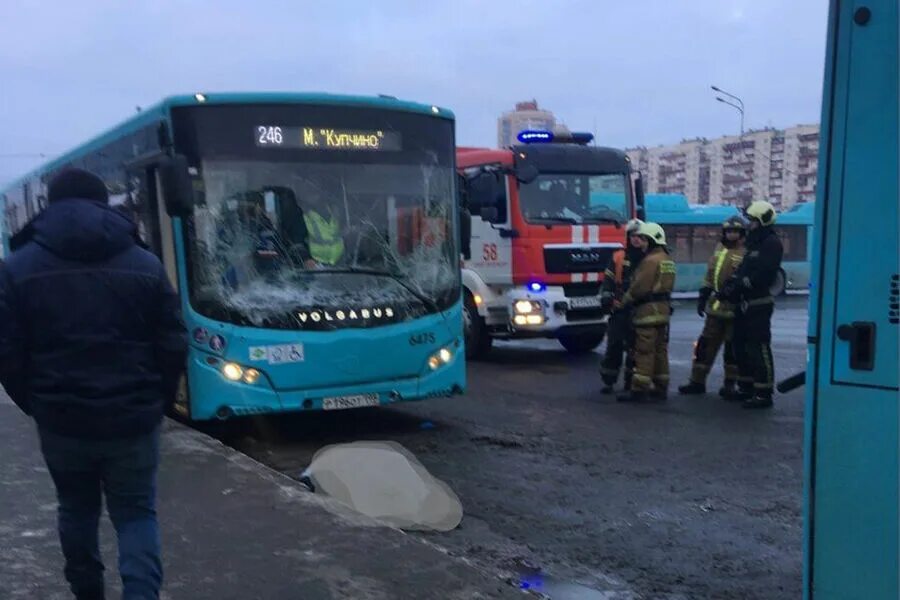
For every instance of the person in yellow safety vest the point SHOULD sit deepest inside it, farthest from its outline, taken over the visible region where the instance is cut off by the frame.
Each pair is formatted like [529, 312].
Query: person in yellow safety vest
[326, 244]
[719, 313]
[649, 297]
[324, 230]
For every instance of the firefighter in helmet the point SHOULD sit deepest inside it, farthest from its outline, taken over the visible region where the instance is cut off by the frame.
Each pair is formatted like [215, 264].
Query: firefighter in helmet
[615, 282]
[750, 290]
[719, 313]
[649, 299]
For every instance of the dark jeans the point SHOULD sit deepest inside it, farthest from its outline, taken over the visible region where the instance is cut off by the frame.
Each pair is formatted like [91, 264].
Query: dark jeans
[125, 471]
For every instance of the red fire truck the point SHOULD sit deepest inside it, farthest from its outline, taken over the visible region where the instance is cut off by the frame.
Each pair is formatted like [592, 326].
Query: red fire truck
[546, 216]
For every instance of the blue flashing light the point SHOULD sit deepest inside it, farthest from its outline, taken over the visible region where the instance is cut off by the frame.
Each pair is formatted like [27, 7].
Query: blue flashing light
[535, 136]
[582, 138]
[536, 287]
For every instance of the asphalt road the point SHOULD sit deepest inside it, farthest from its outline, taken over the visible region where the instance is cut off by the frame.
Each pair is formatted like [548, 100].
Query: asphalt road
[572, 493]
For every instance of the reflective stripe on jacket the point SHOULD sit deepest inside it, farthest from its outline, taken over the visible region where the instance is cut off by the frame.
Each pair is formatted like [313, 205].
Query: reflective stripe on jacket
[722, 265]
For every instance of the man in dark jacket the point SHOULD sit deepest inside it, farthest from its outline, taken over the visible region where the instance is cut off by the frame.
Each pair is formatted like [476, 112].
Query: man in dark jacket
[749, 290]
[91, 346]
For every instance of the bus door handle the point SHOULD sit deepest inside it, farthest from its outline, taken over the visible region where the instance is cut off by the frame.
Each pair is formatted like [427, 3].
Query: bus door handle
[861, 336]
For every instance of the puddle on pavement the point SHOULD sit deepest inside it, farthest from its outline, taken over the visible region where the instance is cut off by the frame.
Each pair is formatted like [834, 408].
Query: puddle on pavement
[558, 589]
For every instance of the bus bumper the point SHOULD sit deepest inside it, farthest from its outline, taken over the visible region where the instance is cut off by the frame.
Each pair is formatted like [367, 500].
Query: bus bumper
[212, 396]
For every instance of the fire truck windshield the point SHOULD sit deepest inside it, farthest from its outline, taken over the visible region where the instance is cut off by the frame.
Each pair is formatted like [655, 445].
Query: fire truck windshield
[575, 198]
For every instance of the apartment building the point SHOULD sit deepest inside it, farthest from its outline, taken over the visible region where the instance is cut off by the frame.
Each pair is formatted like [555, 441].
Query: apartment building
[778, 165]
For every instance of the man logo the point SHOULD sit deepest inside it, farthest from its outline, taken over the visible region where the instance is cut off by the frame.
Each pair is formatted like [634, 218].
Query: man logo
[584, 256]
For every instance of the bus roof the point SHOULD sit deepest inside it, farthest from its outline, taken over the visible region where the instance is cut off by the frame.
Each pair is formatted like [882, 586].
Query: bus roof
[674, 208]
[671, 209]
[802, 213]
[161, 110]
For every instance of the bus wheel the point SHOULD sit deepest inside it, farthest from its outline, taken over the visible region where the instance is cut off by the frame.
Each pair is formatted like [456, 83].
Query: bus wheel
[779, 286]
[181, 409]
[581, 343]
[478, 341]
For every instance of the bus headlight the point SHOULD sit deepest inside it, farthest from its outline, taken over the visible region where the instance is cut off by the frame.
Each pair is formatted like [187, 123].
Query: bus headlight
[251, 376]
[440, 358]
[232, 371]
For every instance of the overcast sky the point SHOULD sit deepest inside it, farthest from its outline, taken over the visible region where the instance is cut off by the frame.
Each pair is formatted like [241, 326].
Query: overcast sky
[635, 72]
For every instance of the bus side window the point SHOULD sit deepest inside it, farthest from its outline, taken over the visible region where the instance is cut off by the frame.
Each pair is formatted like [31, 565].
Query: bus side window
[678, 238]
[793, 237]
[705, 240]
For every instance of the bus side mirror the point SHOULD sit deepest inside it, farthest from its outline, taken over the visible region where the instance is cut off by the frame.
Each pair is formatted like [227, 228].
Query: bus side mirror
[177, 187]
[639, 207]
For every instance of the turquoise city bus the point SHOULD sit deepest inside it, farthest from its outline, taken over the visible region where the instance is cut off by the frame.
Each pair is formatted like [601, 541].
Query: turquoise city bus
[313, 240]
[795, 227]
[693, 231]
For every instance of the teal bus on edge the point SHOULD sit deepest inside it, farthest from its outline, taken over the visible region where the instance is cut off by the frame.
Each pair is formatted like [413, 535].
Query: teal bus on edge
[313, 240]
[851, 505]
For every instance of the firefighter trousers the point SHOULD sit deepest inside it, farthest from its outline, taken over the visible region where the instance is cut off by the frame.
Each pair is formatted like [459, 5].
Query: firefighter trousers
[651, 358]
[752, 346]
[716, 332]
[617, 341]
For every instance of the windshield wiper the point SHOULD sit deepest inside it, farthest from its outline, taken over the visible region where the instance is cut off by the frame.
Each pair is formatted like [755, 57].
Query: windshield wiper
[593, 218]
[568, 220]
[425, 300]
[602, 208]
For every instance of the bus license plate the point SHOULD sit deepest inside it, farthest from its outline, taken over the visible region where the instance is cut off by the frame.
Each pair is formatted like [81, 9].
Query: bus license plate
[584, 302]
[344, 402]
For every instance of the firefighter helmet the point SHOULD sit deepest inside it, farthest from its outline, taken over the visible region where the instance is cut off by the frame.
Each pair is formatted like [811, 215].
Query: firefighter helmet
[654, 232]
[734, 222]
[633, 226]
[762, 211]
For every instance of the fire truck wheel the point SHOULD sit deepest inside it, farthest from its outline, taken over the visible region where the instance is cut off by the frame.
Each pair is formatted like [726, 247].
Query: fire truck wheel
[581, 343]
[478, 340]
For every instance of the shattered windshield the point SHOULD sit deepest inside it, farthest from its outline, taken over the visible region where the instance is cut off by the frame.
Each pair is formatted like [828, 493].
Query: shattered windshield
[272, 238]
[575, 198]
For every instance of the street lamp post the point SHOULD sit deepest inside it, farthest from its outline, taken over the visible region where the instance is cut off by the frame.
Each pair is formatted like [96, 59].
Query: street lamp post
[739, 106]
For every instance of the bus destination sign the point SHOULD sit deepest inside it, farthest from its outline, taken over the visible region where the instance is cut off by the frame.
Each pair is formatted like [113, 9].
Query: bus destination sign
[325, 138]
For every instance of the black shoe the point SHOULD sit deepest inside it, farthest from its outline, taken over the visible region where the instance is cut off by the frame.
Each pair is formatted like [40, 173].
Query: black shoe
[692, 388]
[741, 394]
[659, 395]
[727, 389]
[632, 397]
[758, 401]
[606, 390]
